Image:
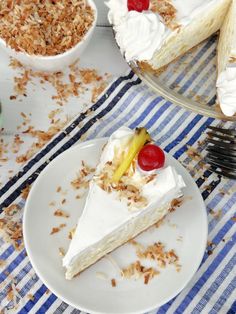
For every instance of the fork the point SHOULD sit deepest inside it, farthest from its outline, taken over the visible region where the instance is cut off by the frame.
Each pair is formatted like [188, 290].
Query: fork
[221, 151]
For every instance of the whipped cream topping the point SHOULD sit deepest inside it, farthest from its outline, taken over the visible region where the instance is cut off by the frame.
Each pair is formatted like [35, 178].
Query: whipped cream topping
[140, 34]
[226, 90]
[104, 212]
[117, 11]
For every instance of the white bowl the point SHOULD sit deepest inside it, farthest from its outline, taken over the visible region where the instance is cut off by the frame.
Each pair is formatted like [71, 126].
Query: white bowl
[57, 62]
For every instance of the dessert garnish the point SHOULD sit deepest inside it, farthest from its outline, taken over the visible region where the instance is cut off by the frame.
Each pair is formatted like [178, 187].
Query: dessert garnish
[151, 157]
[138, 5]
[140, 137]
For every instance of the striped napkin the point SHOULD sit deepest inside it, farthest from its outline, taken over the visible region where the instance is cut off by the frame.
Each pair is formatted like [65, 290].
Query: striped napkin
[127, 101]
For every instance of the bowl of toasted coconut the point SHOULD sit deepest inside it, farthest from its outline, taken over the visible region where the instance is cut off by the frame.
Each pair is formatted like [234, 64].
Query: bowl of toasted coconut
[46, 35]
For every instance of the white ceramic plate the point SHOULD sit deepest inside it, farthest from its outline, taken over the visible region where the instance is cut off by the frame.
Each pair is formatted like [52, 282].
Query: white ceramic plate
[184, 230]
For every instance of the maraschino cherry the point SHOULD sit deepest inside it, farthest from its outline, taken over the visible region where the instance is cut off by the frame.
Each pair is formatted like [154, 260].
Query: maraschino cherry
[151, 157]
[138, 5]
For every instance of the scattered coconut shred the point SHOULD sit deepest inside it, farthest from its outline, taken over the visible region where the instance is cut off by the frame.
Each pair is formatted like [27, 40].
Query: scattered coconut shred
[155, 253]
[11, 226]
[80, 80]
[83, 177]
[71, 83]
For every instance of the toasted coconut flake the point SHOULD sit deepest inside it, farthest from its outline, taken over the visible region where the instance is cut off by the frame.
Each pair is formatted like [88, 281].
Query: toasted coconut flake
[167, 11]
[58, 189]
[193, 153]
[232, 59]
[31, 297]
[25, 192]
[63, 201]
[2, 262]
[52, 114]
[97, 90]
[137, 245]
[15, 64]
[136, 270]
[83, 177]
[12, 231]
[16, 144]
[71, 233]
[113, 282]
[61, 213]
[57, 229]
[11, 210]
[10, 295]
[176, 202]
[151, 177]
[89, 76]
[216, 214]
[61, 251]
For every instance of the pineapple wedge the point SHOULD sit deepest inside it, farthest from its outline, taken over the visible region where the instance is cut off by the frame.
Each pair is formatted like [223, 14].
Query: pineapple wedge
[140, 137]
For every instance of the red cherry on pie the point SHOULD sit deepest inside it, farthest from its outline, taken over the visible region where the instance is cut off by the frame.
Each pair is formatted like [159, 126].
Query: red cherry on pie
[151, 157]
[138, 5]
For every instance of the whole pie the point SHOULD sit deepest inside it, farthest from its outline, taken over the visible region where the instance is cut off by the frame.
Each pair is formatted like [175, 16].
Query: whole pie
[154, 33]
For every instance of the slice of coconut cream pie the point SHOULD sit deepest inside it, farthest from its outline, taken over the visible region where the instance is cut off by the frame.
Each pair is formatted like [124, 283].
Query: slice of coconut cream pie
[153, 33]
[131, 190]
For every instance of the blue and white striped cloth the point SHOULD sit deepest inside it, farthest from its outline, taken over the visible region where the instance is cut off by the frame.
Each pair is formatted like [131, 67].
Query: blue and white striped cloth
[127, 101]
